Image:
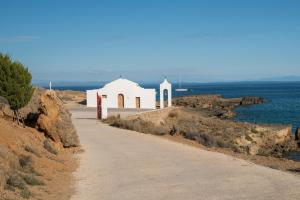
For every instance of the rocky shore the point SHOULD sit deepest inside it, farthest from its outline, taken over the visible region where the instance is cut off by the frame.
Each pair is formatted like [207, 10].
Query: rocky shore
[215, 105]
[37, 159]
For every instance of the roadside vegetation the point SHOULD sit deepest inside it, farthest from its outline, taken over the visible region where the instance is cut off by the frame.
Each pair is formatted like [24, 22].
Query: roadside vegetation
[35, 154]
[211, 131]
[15, 84]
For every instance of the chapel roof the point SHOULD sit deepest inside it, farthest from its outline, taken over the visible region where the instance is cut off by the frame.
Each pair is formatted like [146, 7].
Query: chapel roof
[122, 81]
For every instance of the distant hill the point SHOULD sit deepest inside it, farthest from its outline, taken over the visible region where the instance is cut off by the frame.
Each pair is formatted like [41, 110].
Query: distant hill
[43, 83]
[282, 78]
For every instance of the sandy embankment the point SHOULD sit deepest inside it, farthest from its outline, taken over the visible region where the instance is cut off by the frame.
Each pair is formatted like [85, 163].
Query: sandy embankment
[37, 160]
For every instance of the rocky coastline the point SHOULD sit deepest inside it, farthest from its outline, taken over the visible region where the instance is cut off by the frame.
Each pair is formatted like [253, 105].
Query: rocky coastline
[216, 105]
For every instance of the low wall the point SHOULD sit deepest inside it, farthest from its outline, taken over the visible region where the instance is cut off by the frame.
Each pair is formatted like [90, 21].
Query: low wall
[125, 112]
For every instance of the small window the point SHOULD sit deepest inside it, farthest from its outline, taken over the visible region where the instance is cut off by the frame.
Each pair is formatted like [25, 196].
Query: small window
[104, 96]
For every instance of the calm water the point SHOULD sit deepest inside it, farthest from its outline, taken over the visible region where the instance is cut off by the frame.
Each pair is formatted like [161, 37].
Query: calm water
[282, 107]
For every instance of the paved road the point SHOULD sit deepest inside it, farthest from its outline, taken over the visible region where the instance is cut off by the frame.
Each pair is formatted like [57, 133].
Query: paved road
[125, 165]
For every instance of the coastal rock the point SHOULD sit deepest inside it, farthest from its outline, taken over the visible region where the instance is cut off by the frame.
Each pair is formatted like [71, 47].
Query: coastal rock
[215, 105]
[267, 140]
[55, 121]
[297, 134]
[5, 110]
[252, 100]
[31, 111]
[226, 114]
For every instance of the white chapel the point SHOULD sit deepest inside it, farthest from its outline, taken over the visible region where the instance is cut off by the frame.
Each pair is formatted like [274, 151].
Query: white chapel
[123, 93]
[126, 94]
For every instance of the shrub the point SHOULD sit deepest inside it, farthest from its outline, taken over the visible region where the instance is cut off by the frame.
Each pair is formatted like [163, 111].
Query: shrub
[25, 193]
[15, 180]
[206, 139]
[32, 150]
[25, 163]
[9, 187]
[15, 83]
[138, 125]
[253, 130]
[32, 180]
[173, 114]
[160, 130]
[49, 147]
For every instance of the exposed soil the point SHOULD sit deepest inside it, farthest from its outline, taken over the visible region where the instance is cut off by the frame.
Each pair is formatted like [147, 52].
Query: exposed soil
[36, 160]
[28, 169]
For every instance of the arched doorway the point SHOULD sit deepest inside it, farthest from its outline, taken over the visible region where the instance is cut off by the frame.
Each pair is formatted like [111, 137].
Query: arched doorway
[120, 101]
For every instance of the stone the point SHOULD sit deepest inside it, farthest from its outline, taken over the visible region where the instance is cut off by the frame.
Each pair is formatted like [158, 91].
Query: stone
[55, 121]
[297, 134]
[5, 110]
[252, 100]
[215, 104]
[31, 111]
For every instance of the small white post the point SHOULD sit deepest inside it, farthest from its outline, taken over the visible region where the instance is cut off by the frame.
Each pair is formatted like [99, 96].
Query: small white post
[50, 86]
[161, 98]
[170, 97]
[104, 108]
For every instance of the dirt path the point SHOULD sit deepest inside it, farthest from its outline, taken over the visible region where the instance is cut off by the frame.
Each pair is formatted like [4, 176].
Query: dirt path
[125, 165]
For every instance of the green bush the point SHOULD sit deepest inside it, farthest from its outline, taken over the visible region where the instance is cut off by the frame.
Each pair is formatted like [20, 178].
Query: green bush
[32, 180]
[138, 125]
[15, 180]
[25, 193]
[32, 150]
[25, 163]
[49, 147]
[15, 83]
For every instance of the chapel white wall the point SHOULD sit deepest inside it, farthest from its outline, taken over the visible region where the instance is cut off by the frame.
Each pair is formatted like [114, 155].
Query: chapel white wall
[130, 92]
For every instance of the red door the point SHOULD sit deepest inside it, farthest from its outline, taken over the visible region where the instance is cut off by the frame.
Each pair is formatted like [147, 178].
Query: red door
[99, 107]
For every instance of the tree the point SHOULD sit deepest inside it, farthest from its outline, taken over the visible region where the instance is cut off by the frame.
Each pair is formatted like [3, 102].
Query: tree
[15, 83]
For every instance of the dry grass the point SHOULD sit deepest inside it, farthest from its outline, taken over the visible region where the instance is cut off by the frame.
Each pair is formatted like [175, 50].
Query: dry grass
[14, 180]
[32, 150]
[26, 194]
[209, 131]
[26, 163]
[49, 147]
[21, 167]
[138, 125]
[175, 124]
[32, 180]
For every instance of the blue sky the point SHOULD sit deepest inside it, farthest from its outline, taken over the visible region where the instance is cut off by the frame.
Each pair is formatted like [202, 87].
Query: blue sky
[202, 41]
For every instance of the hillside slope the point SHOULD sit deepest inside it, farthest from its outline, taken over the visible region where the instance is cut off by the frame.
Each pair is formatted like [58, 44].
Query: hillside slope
[36, 160]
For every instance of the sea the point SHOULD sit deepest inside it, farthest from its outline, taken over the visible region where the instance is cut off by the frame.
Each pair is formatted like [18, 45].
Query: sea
[282, 100]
